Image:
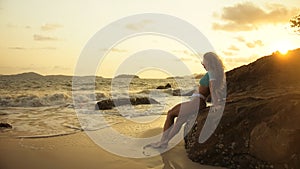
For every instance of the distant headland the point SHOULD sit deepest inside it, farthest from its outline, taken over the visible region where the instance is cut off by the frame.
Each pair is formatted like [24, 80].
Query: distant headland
[127, 76]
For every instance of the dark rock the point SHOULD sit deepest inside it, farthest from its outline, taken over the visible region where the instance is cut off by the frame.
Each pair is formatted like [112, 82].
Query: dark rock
[178, 92]
[160, 87]
[105, 105]
[143, 100]
[110, 103]
[167, 86]
[5, 125]
[260, 125]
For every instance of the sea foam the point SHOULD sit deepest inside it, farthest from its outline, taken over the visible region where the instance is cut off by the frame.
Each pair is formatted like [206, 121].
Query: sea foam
[34, 100]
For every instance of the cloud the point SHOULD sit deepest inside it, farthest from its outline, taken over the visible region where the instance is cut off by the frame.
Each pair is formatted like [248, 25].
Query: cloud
[44, 38]
[17, 48]
[232, 47]
[228, 53]
[240, 39]
[186, 52]
[38, 68]
[139, 25]
[118, 50]
[47, 48]
[187, 56]
[60, 68]
[247, 16]
[254, 44]
[50, 27]
[240, 59]
[232, 27]
[250, 45]
[41, 48]
[187, 59]
[114, 50]
[10, 25]
[189, 53]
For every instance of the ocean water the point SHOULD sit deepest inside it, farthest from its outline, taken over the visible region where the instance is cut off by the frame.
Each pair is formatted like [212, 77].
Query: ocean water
[45, 105]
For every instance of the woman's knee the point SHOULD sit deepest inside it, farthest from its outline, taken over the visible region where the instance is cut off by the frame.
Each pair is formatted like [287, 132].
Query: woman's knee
[176, 107]
[172, 114]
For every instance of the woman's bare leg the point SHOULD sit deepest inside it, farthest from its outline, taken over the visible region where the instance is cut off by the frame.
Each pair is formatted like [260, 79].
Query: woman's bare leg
[171, 115]
[169, 123]
[182, 112]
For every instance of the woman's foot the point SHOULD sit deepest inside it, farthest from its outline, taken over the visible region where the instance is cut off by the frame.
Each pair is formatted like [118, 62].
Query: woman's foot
[158, 145]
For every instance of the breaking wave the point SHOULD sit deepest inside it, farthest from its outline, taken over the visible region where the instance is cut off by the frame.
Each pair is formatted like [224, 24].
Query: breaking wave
[34, 100]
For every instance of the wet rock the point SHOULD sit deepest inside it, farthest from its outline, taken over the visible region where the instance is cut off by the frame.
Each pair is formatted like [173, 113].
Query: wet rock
[105, 105]
[110, 103]
[167, 86]
[5, 126]
[178, 92]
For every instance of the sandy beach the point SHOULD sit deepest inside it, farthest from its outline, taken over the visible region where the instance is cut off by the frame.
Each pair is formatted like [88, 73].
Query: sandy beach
[78, 151]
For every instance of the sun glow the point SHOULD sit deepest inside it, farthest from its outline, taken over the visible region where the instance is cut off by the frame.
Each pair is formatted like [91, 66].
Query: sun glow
[283, 47]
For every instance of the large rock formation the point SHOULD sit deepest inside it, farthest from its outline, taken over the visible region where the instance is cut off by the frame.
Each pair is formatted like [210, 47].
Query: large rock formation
[260, 126]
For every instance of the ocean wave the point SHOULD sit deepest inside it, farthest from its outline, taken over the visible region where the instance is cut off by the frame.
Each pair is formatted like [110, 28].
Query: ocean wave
[172, 92]
[38, 100]
[32, 100]
[83, 97]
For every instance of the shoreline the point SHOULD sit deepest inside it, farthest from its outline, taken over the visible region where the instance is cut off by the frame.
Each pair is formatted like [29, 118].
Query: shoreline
[78, 151]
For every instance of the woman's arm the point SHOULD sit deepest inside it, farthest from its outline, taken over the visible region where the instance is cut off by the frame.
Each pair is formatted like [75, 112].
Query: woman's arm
[213, 93]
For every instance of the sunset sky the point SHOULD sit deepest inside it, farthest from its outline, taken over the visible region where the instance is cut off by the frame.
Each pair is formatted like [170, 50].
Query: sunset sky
[47, 36]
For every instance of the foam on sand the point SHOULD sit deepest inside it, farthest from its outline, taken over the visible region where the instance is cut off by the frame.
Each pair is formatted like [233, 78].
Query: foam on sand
[78, 151]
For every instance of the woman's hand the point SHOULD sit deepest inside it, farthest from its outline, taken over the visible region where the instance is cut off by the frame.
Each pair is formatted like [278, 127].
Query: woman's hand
[216, 108]
[158, 145]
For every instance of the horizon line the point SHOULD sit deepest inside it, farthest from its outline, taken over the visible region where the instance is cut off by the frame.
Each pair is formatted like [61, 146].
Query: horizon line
[99, 76]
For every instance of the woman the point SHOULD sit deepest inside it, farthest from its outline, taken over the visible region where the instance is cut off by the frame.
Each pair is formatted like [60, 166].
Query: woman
[211, 83]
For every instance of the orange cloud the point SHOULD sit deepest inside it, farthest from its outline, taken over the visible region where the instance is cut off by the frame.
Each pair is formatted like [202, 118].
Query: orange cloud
[232, 27]
[118, 50]
[255, 44]
[228, 53]
[40, 48]
[232, 47]
[114, 50]
[138, 26]
[44, 38]
[240, 39]
[186, 52]
[247, 16]
[50, 27]
[17, 48]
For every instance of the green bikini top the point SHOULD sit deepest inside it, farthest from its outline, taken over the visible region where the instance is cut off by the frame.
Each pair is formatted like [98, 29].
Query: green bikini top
[204, 81]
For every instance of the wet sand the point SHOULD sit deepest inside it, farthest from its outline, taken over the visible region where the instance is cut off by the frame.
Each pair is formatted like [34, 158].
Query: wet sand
[78, 151]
